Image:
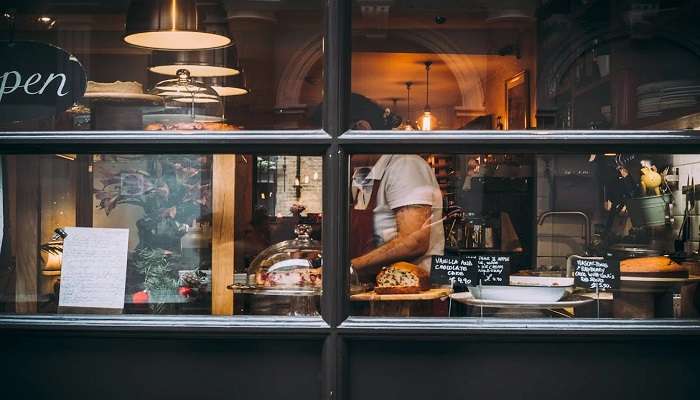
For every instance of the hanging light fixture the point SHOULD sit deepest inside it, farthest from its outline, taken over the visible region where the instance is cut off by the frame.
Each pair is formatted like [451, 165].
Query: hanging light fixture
[230, 85]
[407, 125]
[168, 25]
[200, 63]
[427, 121]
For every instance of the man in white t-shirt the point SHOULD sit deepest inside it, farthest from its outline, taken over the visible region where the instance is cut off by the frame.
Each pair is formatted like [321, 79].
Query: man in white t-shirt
[405, 203]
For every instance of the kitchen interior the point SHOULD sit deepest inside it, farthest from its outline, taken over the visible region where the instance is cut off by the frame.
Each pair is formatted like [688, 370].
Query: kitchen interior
[446, 65]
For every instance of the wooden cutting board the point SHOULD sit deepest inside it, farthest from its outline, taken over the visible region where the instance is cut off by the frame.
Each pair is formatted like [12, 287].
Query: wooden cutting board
[431, 294]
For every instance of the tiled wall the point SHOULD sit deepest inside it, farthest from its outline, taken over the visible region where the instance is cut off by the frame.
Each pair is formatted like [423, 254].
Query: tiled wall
[688, 166]
[560, 235]
[311, 168]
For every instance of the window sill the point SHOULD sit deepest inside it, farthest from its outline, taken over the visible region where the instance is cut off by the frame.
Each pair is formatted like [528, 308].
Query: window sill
[424, 327]
[258, 325]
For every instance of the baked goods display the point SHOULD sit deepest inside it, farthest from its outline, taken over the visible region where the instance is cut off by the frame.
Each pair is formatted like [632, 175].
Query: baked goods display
[292, 267]
[656, 267]
[113, 87]
[401, 278]
[190, 126]
[290, 279]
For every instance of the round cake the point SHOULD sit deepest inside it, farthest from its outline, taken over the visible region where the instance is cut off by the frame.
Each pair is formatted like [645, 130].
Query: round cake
[114, 87]
[652, 267]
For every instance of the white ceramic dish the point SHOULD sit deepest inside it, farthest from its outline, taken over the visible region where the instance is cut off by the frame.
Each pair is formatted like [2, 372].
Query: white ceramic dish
[549, 281]
[525, 294]
[468, 298]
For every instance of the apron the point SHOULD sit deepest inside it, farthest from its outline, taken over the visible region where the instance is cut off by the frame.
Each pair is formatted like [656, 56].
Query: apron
[362, 225]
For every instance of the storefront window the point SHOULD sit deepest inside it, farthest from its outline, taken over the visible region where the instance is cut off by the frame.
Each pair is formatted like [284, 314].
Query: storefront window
[524, 235]
[521, 64]
[160, 65]
[161, 234]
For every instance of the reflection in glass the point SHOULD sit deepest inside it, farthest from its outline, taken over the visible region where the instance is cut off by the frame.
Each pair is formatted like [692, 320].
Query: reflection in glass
[521, 235]
[586, 65]
[184, 250]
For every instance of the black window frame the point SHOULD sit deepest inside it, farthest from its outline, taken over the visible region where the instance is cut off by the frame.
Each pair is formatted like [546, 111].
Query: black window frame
[335, 143]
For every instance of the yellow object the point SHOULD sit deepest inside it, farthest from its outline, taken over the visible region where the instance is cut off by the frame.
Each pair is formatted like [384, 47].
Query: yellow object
[651, 180]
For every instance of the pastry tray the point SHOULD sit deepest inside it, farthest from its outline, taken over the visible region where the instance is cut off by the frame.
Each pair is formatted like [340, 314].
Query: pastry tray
[266, 291]
[641, 284]
[572, 301]
[431, 294]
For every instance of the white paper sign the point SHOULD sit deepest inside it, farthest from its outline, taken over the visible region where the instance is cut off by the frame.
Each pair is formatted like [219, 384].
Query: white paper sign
[93, 271]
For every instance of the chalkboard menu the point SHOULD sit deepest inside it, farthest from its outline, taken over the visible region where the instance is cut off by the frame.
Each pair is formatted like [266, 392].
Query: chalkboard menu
[601, 273]
[469, 270]
[493, 270]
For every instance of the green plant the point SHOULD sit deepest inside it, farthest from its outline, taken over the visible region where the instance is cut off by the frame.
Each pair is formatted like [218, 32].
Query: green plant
[160, 278]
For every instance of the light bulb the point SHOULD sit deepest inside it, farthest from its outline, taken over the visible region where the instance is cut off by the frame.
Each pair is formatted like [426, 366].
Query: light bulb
[306, 180]
[428, 121]
[315, 176]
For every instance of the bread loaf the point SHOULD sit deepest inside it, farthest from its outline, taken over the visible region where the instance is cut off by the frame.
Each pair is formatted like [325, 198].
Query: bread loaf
[402, 278]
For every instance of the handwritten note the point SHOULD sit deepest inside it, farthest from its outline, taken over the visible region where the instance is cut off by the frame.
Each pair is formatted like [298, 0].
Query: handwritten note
[93, 272]
[600, 273]
[493, 270]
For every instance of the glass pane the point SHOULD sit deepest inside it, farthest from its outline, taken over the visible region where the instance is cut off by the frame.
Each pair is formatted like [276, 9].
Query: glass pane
[161, 234]
[525, 64]
[160, 65]
[611, 235]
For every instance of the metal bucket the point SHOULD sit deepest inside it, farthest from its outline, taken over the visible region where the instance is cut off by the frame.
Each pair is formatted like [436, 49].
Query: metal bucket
[648, 210]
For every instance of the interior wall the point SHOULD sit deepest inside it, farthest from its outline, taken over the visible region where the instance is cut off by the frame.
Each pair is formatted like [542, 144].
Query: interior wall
[501, 68]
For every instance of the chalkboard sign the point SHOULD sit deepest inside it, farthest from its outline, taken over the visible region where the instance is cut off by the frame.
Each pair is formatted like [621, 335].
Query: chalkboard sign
[450, 270]
[469, 270]
[493, 270]
[37, 80]
[601, 273]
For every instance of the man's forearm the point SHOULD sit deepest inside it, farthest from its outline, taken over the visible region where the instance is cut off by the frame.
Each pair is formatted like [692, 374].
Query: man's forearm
[402, 248]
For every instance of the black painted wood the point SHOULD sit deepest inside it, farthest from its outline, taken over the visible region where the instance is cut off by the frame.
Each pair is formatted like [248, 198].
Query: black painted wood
[77, 367]
[634, 368]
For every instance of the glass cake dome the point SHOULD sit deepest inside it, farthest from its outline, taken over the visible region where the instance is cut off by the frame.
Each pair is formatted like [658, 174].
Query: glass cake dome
[188, 100]
[292, 267]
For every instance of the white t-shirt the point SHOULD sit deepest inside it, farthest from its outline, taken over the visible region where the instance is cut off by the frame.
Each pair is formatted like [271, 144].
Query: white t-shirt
[405, 180]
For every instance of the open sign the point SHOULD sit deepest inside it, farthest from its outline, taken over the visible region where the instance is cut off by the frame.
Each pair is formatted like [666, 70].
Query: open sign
[37, 80]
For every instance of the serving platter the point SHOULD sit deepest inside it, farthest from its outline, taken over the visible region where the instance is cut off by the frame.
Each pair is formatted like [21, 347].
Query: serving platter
[641, 284]
[468, 298]
[431, 294]
[266, 291]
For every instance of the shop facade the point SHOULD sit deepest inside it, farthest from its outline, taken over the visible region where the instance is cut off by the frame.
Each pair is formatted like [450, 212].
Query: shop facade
[544, 119]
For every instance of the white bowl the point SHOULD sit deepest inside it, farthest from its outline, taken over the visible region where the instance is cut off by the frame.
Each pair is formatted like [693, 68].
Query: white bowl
[524, 280]
[525, 294]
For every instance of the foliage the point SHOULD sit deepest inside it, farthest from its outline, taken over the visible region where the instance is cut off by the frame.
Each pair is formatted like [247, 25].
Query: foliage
[173, 191]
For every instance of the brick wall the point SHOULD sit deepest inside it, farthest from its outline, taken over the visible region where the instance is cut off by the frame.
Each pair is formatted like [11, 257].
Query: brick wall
[311, 195]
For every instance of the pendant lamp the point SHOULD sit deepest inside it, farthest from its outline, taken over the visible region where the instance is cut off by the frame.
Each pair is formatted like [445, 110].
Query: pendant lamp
[168, 25]
[427, 121]
[200, 63]
[230, 85]
[407, 125]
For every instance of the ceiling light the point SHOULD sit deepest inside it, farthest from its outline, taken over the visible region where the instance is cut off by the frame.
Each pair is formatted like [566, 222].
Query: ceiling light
[201, 63]
[427, 121]
[168, 25]
[230, 85]
[46, 20]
